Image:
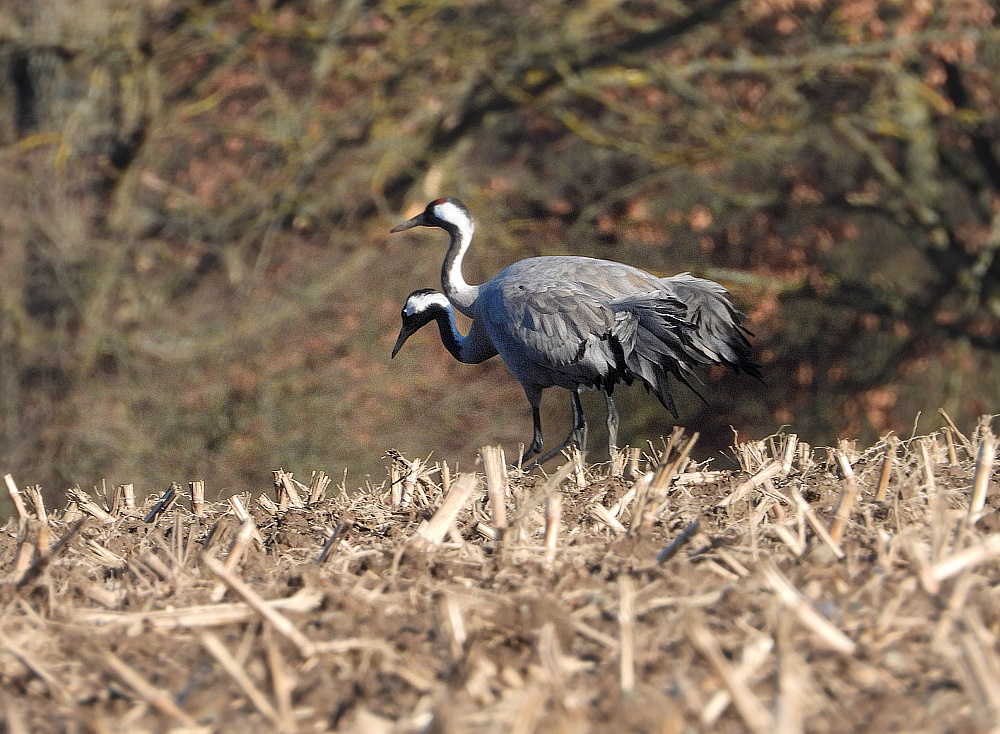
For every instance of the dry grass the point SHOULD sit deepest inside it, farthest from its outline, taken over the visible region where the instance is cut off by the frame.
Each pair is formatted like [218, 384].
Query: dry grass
[780, 598]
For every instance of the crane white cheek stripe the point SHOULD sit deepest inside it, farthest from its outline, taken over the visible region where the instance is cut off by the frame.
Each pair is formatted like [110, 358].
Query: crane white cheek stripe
[451, 213]
[423, 301]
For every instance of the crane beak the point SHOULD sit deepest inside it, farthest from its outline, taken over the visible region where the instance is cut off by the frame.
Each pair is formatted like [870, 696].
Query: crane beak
[417, 221]
[404, 334]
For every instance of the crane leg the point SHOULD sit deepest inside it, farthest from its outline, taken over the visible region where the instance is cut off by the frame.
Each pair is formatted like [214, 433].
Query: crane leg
[535, 400]
[612, 424]
[579, 433]
[576, 436]
[536, 439]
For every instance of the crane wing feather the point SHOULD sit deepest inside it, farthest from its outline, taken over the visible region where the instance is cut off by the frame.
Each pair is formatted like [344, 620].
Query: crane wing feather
[558, 328]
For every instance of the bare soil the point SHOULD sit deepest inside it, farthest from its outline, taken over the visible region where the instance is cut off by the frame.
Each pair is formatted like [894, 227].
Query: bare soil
[383, 615]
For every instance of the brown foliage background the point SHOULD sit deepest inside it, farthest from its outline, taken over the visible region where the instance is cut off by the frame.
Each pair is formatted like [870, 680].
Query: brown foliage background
[197, 279]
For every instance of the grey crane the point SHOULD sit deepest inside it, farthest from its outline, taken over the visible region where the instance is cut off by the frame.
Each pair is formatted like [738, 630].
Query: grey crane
[576, 322]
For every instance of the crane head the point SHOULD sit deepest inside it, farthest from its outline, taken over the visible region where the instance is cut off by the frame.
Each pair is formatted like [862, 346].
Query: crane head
[421, 307]
[447, 214]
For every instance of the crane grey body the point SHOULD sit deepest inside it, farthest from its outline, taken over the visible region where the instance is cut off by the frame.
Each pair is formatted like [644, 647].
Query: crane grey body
[577, 323]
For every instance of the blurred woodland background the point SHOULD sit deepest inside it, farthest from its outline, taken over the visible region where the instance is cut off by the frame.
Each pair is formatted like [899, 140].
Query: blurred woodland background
[196, 276]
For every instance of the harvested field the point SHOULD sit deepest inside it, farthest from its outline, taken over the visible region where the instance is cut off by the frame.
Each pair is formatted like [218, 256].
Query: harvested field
[838, 590]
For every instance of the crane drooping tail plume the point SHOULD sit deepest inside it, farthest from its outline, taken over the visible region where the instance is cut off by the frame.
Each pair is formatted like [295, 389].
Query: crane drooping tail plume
[657, 341]
[718, 335]
[650, 332]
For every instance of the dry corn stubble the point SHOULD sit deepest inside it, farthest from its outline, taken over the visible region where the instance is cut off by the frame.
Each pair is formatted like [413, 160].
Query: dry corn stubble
[783, 597]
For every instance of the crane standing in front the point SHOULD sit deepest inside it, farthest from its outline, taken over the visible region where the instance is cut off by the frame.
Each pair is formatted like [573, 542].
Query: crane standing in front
[576, 322]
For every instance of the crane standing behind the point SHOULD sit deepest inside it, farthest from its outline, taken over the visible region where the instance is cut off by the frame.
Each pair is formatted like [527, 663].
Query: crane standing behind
[576, 322]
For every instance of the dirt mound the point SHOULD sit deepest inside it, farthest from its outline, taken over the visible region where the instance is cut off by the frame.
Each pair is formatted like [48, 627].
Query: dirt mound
[843, 593]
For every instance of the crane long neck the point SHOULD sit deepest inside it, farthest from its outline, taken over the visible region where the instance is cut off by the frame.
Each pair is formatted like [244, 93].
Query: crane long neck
[459, 346]
[461, 294]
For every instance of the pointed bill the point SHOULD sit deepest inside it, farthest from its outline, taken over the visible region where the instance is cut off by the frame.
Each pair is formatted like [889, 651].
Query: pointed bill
[404, 334]
[415, 222]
